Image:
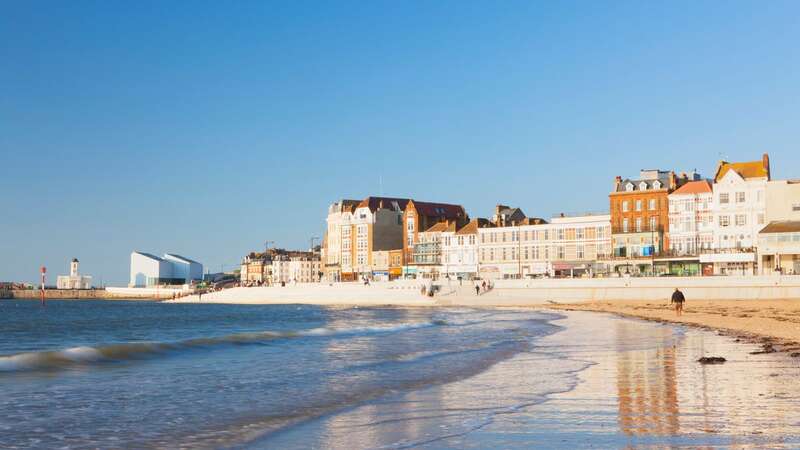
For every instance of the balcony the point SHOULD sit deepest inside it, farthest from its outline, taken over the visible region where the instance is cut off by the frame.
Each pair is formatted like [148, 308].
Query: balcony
[659, 229]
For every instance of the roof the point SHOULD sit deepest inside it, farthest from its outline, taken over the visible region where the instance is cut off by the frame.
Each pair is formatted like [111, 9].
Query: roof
[149, 255]
[694, 187]
[349, 205]
[443, 210]
[173, 255]
[782, 226]
[532, 221]
[374, 203]
[472, 226]
[441, 226]
[748, 169]
[651, 184]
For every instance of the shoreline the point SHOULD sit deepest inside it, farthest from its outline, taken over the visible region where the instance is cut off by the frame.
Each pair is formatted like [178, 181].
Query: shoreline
[773, 324]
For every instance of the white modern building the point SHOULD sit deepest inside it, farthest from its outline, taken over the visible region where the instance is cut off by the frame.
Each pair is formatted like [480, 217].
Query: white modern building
[184, 267]
[691, 218]
[74, 280]
[779, 248]
[150, 270]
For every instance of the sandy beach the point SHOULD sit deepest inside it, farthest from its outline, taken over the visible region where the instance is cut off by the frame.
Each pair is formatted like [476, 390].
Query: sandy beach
[774, 323]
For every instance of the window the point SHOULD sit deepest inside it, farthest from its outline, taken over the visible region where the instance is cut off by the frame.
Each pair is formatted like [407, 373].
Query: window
[560, 234]
[526, 253]
[688, 206]
[653, 223]
[724, 221]
[638, 205]
[560, 252]
[625, 206]
[504, 254]
[741, 220]
[638, 224]
[624, 225]
[642, 186]
[629, 187]
[795, 206]
[760, 195]
[579, 252]
[579, 233]
[723, 198]
[472, 239]
[740, 197]
[652, 204]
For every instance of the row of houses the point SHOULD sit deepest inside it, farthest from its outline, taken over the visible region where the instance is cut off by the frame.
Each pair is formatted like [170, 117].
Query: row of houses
[739, 221]
[279, 266]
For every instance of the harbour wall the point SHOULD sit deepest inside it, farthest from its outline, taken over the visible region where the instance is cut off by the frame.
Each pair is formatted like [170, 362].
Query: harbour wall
[110, 293]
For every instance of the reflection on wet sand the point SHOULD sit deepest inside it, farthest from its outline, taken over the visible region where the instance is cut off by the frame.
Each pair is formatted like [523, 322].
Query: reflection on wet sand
[647, 387]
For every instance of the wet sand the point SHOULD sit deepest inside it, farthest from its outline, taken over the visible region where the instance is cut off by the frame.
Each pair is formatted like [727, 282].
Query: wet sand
[601, 382]
[773, 323]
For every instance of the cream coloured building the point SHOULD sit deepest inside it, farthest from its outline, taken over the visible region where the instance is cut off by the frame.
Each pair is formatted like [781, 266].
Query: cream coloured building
[691, 218]
[567, 246]
[783, 200]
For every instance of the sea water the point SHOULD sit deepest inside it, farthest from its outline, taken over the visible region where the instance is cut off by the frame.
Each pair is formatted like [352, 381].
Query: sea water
[94, 374]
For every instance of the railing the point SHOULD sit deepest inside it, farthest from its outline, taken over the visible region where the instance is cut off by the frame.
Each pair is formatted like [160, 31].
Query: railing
[632, 229]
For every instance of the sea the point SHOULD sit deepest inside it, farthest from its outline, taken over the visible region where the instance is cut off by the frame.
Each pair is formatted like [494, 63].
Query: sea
[119, 374]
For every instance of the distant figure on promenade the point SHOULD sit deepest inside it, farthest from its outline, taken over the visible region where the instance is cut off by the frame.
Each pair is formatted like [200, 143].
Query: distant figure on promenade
[678, 299]
[483, 285]
[477, 289]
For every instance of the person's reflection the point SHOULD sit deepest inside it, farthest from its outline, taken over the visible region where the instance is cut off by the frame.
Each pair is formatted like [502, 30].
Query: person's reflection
[646, 386]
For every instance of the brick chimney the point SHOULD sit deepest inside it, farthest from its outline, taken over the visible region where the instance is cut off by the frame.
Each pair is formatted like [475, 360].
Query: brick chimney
[617, 182]
[765, 161]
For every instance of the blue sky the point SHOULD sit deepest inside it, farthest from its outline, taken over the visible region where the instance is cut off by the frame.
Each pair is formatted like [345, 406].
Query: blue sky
[206, 128]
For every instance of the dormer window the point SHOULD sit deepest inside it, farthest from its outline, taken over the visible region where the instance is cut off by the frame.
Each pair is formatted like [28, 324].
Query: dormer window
[642, 186]
[656, 184]
[629, 187]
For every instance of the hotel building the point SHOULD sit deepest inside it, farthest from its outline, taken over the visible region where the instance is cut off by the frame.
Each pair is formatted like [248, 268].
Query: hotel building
[739, 209]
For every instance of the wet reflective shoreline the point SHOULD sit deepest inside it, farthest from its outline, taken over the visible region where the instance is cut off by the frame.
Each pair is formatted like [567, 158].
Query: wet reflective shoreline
[629, 384]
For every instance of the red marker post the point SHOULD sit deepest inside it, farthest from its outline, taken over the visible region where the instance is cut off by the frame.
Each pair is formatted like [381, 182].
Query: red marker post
[44, 271]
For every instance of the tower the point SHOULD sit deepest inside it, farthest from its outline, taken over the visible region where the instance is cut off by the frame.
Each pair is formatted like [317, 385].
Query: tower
[73, 268]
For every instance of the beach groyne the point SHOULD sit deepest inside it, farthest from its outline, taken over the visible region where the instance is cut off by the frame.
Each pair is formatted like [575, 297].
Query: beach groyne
[518, 292]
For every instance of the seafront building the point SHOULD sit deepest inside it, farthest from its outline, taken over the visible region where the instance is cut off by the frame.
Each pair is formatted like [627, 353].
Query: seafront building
[566, 246]
[296, 267]
[659, 223]
[460, 250]
[779, 248]
[739, 209]
[421, 216]
[74, 280]
[148, 270]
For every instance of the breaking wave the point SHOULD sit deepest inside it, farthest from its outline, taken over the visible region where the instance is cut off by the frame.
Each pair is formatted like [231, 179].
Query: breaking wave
[85, 355]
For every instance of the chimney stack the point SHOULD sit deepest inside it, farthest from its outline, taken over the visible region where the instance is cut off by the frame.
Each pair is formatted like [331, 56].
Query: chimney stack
[765, 161]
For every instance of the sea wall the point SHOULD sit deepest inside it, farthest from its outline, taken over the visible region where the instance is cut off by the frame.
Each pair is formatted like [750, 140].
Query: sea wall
[519, 292]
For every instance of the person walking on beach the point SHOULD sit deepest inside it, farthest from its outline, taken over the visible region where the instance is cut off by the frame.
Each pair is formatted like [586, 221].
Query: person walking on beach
[477, 289]
[678, 299]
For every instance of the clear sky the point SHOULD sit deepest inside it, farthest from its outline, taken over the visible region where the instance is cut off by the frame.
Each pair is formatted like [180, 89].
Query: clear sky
[206, 128]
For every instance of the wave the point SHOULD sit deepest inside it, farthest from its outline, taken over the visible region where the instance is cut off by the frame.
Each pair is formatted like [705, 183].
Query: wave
[85, 355]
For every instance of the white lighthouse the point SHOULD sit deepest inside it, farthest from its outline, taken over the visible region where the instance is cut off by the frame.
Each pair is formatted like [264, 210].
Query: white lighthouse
[73, 268]
[74, 280]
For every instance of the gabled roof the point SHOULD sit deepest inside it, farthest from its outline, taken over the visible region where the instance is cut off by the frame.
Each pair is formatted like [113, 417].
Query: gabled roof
[748, 169]
[782, 226]
[472, 226]
[349, 205]
[694, 187]
[439, 210]
[374, 203]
